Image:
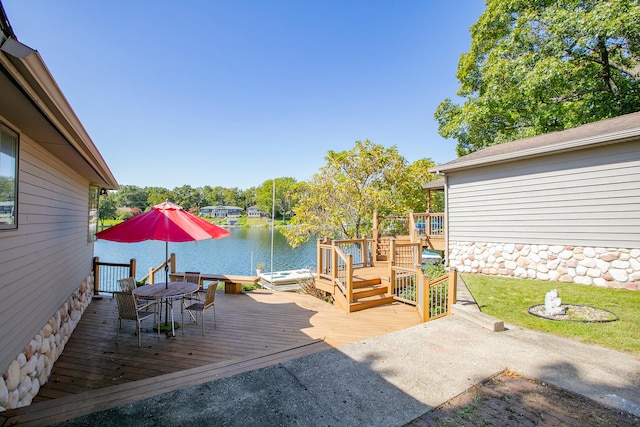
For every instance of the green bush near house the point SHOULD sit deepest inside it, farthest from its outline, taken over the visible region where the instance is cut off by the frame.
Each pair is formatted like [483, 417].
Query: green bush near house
[509, 299]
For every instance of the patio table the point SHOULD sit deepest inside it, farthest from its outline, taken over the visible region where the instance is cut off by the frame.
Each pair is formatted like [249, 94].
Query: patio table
[166, 291]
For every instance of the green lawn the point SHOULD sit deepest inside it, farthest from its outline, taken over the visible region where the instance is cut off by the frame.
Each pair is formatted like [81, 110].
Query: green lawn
[509, 299]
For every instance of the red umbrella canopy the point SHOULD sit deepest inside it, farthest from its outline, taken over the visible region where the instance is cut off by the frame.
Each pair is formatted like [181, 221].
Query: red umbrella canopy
[167, 222]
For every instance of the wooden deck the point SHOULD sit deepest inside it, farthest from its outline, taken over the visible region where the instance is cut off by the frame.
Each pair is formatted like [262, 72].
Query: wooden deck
[260, 325]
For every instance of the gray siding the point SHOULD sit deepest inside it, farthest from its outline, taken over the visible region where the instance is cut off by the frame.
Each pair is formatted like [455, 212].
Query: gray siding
[45, 260]
[582, 198]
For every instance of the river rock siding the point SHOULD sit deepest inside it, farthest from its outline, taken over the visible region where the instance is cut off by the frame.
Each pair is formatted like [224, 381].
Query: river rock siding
[21, 382]
[562, 206]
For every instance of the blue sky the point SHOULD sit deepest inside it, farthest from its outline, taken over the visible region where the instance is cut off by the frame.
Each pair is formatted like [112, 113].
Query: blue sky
[233, 93]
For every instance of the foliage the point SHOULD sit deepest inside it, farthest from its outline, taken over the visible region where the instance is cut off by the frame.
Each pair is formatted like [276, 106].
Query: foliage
[509, 300]
[434, 270]
[339, 201]
[538, 66]
[107, 207]
[286, 196]
[131, 196]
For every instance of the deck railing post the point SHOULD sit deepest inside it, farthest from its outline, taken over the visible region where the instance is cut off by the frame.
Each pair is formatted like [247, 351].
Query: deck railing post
[319, 266]
[173, 262]
[96, 274]
[151, 276]
[391, 256]
[349, 277]
[453, 288]
[132, 267]
[334, 262]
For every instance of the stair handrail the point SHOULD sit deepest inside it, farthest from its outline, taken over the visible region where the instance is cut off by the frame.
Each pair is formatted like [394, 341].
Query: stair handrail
[171, 262]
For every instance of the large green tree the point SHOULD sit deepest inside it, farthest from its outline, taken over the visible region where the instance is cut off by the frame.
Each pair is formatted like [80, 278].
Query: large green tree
[537, 66]
[131, 196]
[286, 196]
[339, 200]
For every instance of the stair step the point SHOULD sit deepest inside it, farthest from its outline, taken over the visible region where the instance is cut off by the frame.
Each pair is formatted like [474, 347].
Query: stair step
[370, 291]
[372, 301]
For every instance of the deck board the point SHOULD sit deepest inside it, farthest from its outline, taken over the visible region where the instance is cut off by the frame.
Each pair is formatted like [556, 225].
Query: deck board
[248, 325]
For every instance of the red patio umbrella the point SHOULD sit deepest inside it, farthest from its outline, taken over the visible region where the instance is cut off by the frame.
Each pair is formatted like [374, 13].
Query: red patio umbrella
[166, 222]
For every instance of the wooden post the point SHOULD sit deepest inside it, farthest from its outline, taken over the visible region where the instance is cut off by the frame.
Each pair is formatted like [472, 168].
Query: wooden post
[334, 262]
[173, 262]
[132, 268]
[392, 277]
[453, 288]
[349, 277]
[375, 236]
[425, 296]
[96, 274]
[319, 266]
[364, 252]
[151, 276]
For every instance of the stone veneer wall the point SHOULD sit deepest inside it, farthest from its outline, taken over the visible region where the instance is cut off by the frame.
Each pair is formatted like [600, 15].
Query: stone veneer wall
[31, 369]
[605, 267]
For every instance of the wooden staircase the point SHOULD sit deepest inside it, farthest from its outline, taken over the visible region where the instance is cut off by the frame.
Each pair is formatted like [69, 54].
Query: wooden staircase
[369, 290]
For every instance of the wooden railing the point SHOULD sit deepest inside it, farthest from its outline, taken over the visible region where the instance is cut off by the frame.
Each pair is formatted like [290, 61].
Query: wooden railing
[435, 298]
[107, 274]
[338, 258]
[157, 274]
[427, 224]
[404, 269]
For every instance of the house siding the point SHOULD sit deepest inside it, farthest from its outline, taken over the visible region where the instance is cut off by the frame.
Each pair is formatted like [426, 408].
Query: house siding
[580, 198]
[47, 258]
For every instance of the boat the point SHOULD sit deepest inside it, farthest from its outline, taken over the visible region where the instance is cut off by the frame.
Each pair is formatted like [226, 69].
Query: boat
[287, 280]
[429, 257]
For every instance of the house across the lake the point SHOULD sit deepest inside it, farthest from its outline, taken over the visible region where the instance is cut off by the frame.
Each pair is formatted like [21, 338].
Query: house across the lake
[562, 206]
[221, 211]
[52, 175]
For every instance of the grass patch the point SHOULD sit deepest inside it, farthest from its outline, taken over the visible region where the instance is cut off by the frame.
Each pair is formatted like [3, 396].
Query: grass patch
[509, 299]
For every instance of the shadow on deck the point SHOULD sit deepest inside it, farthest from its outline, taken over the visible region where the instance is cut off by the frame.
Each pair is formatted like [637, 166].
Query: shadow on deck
[254, 330]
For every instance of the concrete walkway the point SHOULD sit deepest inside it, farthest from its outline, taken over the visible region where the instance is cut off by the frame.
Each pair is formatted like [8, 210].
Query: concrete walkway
[388, 380]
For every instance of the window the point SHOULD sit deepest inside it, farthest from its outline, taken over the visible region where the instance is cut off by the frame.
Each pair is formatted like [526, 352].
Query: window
[8, 178]
[94, 193]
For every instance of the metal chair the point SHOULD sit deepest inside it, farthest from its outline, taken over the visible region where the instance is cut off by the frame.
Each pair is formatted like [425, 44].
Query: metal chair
[209, 301]
[129, 309]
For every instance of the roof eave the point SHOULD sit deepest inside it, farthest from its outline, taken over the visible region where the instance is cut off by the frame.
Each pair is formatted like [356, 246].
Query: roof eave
[578, 144]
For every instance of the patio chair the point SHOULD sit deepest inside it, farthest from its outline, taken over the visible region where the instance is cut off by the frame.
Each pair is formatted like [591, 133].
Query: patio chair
[191, 277]
[129, 309]
[128, 284]
[209, 301]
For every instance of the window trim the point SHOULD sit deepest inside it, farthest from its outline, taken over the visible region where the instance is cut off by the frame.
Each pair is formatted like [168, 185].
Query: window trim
[6, 129]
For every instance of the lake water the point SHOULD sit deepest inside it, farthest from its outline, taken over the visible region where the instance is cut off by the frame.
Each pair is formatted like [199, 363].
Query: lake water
[235, 254]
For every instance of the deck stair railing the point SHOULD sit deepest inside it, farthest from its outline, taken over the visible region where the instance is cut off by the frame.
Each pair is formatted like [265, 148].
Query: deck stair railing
[338, 258]
[404, 268]
[435, 297]
[157, 274]
[107, 274]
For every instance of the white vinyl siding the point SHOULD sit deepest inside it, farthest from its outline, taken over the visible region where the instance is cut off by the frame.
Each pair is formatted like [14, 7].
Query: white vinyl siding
[582, 198]
[46, 259]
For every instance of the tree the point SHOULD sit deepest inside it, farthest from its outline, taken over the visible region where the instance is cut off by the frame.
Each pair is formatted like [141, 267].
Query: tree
[339, 200]
[537, 66]
[157, 195]
[188, 197]
[107, 208]
[131, 196]
[286, 196]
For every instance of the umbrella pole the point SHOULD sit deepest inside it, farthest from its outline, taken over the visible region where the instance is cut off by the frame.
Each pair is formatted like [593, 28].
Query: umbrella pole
[166, 282]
